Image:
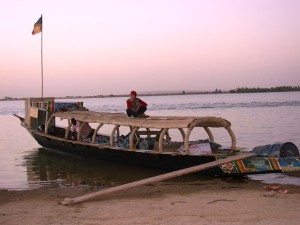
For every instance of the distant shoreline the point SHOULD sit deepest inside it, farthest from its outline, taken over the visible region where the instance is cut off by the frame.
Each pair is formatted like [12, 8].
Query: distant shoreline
[217, 91]
[126, 95]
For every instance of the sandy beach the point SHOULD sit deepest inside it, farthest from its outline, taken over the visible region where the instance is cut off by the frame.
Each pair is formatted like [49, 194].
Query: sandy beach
[214, 201]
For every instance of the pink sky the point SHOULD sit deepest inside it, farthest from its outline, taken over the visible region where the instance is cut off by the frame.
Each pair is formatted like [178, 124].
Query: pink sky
[96, 47]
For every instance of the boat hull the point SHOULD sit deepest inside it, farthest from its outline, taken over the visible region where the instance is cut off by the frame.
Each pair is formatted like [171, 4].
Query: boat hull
[167, 162]
[41, 114]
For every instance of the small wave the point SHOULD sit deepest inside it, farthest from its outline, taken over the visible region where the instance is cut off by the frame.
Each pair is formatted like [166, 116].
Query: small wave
[227, 105]
[11, 112]
[9, 108]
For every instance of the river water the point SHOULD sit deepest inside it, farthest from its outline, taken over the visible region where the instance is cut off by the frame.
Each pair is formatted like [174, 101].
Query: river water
[257, 119]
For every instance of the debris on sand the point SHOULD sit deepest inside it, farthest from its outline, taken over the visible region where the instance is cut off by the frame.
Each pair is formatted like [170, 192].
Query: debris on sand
[273, 188]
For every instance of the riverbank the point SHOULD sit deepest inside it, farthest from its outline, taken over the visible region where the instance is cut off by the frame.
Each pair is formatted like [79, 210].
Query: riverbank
[167, 93]
[214, 201]
[184, 92]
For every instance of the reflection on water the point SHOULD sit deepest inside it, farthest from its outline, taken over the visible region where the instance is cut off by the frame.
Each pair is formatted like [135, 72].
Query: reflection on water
[48, 168]
[278, 178]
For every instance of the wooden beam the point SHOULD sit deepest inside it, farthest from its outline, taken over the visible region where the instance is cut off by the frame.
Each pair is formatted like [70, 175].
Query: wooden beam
[69, 201]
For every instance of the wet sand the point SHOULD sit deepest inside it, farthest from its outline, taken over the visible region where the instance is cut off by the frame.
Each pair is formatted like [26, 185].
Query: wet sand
[190, 202]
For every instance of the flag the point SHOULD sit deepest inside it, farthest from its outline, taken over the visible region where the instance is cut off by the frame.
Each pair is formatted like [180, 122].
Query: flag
[37, 27]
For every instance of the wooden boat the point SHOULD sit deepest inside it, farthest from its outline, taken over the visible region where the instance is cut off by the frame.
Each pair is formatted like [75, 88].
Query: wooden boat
[147, 141]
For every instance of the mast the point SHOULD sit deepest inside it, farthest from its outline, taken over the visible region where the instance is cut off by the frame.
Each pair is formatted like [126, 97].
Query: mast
[38, 28]
[42, 69]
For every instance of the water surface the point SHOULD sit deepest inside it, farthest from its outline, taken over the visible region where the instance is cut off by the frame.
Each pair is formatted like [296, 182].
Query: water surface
[257, 119]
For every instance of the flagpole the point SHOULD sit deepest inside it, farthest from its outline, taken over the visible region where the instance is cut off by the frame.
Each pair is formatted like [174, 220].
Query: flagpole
[42, 69]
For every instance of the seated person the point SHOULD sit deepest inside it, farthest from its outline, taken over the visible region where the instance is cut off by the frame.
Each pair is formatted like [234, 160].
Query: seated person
[86, 131]
[73, 129]
[135, 106]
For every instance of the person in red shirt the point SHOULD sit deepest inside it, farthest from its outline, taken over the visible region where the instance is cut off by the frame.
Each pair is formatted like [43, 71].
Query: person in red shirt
[135, 106]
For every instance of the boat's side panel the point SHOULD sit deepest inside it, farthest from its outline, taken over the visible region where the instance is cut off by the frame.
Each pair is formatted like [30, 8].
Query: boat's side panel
[262, 165]
[288, 164]
[161, 161]
[167, 161]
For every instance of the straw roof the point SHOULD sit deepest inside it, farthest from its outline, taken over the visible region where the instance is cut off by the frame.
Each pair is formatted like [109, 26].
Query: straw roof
[151, 122]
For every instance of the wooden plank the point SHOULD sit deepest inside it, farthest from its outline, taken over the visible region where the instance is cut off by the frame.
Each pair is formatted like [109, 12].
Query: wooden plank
[69, 201]
[33, 112]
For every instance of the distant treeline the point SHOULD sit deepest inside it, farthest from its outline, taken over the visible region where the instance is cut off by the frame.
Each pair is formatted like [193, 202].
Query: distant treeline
[272, 89]
[216, 91]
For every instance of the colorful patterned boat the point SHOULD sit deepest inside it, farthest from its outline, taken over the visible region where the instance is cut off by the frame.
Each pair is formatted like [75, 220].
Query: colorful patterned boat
[147, 141]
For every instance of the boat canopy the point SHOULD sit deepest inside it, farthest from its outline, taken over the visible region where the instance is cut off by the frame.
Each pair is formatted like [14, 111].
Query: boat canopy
[153, 122]
[156, 122]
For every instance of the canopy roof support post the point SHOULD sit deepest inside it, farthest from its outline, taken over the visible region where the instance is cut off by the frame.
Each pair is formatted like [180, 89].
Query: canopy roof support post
[161, 139]
[182, 133]
[48, 124]
[68, 129]
[95, 132]
[210, 135]
[168, 138]
[112, 135]
[131, 137]
[232, 135]
[186, 140]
